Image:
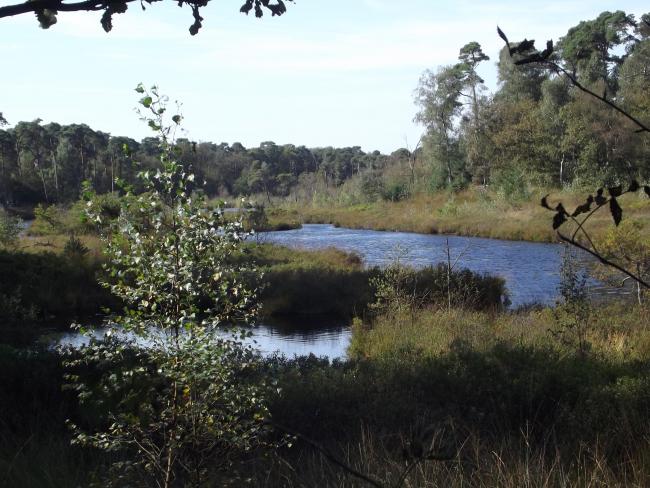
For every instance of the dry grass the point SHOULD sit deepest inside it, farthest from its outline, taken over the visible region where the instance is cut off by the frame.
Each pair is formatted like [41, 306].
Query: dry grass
[618, 332]
[477, 463]
[472, 212]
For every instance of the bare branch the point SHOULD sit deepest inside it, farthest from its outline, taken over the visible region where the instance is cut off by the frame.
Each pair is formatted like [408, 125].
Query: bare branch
[47, 10]
[603, 259]
[560, 70]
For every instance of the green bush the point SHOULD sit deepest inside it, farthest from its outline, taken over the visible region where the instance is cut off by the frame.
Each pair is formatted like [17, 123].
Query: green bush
[10, 228]
[47, 286]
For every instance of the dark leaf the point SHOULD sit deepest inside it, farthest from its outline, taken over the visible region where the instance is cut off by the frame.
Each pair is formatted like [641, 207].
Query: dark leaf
[615, 191]
[580, 209]
[616, 210]
[533, 58]
[600, 199]
[524, 46]
[107, 20]
[560, 208]
[46, 17]
[545, 202]
[558, 220]
[502, 36]
[634, 186]
[246, 7]
[546, 53]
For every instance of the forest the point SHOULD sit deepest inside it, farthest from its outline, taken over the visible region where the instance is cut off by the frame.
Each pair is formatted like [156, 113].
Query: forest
[535, 130]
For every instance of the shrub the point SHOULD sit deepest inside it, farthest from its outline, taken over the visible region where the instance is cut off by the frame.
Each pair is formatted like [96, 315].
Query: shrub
[182, 408]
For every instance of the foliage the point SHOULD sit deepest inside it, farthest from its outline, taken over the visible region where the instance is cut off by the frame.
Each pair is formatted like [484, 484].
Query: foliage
[511, 185]
[181, 407]
[72, 156]
[46, 11]
[44, 286]
[588, 61]
[255, 218]
[392, 291]
[593, 204]
[626, 245]
[10, 228]
[333, 283]
[573, 313]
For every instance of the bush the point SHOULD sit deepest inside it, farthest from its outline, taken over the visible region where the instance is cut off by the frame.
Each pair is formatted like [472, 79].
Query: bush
[46, 286]
[511, 184]
[10, 228]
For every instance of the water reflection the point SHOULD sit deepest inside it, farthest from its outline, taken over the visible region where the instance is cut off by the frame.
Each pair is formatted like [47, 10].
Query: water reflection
[313, 335]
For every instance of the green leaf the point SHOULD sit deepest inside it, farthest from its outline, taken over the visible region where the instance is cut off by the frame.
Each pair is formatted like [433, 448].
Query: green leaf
[146, 101]
[176, 119]
[139, 88]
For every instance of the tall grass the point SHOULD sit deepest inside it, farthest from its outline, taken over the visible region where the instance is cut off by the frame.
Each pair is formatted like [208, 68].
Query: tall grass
[506, 403]
[478, 463]
[332, 282]
[472, 212]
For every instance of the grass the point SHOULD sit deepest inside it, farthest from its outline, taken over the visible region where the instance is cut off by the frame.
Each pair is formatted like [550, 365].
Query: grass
[495, 394]
[513, 405]
[472, 212]
[510, 463]
[615, 331]
[332, 282]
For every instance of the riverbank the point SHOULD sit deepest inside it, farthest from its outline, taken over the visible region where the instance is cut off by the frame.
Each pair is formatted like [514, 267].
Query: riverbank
[474, 212]
[503, 399]
[48, 290]
[500, 399]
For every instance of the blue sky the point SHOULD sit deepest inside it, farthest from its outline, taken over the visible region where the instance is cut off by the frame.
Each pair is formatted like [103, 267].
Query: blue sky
[336, 72]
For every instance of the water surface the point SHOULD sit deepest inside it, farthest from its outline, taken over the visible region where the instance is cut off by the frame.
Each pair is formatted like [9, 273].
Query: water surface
[531, 270]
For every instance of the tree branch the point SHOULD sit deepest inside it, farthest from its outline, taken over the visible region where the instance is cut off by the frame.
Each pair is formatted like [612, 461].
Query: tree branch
[603, 260]
[574, 81]
[59, 6]
[46, 10]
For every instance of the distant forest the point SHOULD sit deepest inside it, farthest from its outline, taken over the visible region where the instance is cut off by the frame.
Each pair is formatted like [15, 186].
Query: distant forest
[48, 163]
[536, 128]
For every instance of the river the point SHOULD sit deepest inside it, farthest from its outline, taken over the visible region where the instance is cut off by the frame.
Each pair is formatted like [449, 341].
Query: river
[531, 271]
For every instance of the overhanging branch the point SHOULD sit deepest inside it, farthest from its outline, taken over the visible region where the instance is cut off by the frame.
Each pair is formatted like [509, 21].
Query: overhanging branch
[603, 259]
[46, 10]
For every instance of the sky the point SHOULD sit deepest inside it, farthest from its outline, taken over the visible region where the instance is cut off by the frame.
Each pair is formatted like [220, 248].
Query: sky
[327, 73]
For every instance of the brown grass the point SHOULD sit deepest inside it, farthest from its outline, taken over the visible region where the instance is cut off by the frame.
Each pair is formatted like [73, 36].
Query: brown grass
[472, 212]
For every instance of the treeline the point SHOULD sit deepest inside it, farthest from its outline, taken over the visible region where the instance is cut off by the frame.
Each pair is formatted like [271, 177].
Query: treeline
[47, 163]
[538, 127]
